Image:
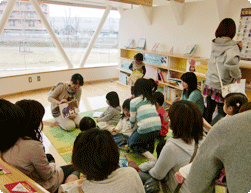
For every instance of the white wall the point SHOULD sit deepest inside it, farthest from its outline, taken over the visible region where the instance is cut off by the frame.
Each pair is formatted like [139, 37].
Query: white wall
[200, 22]
[20, 83]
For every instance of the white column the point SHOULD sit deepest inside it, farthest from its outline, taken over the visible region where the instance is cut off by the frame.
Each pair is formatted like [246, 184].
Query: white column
[6, 14]
[51, 32]
[95, 35]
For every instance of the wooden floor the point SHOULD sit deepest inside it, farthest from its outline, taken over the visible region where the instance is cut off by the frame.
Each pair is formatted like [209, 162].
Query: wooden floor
[93, 97]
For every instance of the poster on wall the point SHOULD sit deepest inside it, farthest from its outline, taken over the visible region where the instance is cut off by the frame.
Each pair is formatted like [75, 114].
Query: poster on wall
[244, 33]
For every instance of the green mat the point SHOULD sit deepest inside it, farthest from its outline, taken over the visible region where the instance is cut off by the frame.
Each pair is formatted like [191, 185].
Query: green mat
[63, 140]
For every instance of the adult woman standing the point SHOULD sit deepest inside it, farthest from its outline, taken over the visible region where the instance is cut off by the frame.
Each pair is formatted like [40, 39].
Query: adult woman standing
[190, 90]
[226, 54]
[63, 93]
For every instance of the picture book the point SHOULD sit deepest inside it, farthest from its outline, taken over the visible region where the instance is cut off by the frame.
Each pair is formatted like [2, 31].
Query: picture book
[154, 48]
[191, 65]
[18, 187]
[141, 43]
[65, 188]
[136, 74]
[3, 170]
[190, 50]
[129, 43]
[151, 72]
[70, 108]
[97, 114]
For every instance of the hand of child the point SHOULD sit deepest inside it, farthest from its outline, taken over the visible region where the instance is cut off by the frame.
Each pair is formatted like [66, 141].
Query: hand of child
[114, 131]
[98, 119]
[179, 178]
[132, 164]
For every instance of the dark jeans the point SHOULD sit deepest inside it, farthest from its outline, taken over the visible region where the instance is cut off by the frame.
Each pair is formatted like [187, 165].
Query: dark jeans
[141, 143]
[209, 110]
[120, 139]
[68, 170]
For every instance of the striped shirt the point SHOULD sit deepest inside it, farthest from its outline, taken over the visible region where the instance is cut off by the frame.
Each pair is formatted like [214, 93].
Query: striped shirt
[144, 114]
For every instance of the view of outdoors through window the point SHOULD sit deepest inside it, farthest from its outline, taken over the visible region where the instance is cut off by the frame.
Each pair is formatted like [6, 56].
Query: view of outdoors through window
[26, 46]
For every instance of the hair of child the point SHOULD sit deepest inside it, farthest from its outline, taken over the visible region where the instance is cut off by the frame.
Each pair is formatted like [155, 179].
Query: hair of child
[77, 79]
[226, 28]
[113, 98]
[191, 79]
[126, 105]
[87, 123]
[186, 121]
[11, 116]
[139, 57]
[145, 88]
[158, 98]
[34, 112]
[235, 100]
[95, 154]
[245, 107]
[154, 85]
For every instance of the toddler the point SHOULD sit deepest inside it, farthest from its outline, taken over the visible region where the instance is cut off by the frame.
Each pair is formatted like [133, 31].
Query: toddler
[123, 126]
[110, 117]
[87, 123]
[232, 105]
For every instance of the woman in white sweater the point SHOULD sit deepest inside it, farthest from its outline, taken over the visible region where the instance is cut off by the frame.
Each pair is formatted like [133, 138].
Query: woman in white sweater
[96, 155]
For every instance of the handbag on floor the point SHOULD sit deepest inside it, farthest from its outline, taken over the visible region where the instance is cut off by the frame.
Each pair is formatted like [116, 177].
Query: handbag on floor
[233, 87]
[152, 186]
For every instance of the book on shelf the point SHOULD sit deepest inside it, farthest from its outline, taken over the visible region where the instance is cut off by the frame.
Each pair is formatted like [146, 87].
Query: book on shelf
[141, 44]
[124, 78]
[18, 187]
[154, 48]
[129, 43]
[175, 81]
[3, 170]
[126, 65]
[162, 75]
[190, 49]
[68, 109]
[151, 72]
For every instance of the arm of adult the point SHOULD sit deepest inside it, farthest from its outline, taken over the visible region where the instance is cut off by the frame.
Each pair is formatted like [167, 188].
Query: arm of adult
[206, 166]
[232, 63]
[166, 161]
[54, 94]
[40, 161]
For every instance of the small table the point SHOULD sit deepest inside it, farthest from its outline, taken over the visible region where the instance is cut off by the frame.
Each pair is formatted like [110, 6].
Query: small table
[16, 176]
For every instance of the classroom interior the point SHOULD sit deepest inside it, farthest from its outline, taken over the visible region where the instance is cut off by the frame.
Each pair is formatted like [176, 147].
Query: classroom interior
[173, 24]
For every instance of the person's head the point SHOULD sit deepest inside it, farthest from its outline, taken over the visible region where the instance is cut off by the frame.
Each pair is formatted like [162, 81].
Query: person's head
[186, 121]
[138, 58]
[112, 99]
[146, 88]
[95, 154]
[12, 123]
[245, 107]
[189, 82]
[87, 123]
[126, 109]
[226, 28]
[158, 97]
[34, 112]
[233, 103]
[77, 81]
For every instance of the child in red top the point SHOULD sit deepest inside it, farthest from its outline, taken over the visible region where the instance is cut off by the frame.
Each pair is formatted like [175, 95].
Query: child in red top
[159, 100]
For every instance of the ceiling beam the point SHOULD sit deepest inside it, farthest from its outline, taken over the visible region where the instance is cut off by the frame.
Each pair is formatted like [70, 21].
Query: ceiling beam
[148, 3]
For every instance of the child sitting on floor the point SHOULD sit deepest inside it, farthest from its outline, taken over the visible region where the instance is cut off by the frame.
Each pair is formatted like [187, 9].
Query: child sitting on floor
[123, 126]
[159, 100]
[232, 105]
[87, 123]
[110, 117]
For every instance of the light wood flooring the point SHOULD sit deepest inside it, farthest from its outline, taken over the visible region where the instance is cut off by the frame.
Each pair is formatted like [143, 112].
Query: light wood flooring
[93, 97]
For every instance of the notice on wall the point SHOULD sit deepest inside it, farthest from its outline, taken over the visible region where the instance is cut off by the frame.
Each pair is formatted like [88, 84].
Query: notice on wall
[244, 33]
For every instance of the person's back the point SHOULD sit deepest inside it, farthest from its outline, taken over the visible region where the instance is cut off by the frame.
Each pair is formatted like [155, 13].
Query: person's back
[227, 144]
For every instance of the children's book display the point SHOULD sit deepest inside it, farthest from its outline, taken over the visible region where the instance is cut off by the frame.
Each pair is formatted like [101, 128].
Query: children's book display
[18, 187]
[190, 49]
[154, 48]
[3, 170]
[68, 109]
[244, 33]
[141, 44]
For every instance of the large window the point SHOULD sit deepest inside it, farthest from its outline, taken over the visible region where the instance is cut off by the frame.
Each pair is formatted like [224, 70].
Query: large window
[26, 46]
